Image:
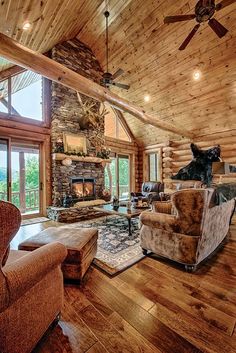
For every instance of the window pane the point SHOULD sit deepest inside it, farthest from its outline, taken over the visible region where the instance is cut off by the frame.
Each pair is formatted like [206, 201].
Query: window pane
[110, 126]
[4, 96]
[27, 95]
[122, 134]
[25, 177]
[152, 167]
[3, 169]
[124, 177]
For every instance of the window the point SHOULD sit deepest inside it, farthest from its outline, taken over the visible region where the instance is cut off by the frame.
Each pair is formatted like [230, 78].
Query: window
[153, 163]
[20, 164]
[113, 126]
[21, 96]
[117, 176]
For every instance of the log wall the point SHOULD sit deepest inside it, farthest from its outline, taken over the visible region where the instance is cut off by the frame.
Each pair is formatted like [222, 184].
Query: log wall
[176, 154]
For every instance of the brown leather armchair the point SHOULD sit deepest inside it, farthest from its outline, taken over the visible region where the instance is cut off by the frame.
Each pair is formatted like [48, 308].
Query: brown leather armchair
[150, 191]
[31, 287]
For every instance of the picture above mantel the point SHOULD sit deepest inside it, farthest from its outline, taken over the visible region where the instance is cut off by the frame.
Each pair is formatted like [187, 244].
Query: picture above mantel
[87, 159]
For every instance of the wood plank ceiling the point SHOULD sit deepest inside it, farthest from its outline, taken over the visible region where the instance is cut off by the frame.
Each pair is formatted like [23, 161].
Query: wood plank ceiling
[148, 52]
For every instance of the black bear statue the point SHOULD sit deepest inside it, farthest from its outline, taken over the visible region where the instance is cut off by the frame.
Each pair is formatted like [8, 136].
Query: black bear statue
[200, 168]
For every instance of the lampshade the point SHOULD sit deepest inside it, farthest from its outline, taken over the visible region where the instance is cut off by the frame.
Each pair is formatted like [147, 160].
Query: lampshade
[221, 168]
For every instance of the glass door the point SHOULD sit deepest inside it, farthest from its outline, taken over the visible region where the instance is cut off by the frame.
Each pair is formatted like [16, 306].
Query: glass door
[4, 169]
[117, 176]
[25, 176]
[123, 162]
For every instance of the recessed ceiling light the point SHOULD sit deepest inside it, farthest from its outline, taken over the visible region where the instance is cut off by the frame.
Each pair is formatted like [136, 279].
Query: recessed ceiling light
[147, 98]
[26, 26]
[197, 75]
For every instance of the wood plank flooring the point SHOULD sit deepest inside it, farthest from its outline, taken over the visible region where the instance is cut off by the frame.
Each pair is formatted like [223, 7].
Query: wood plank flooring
[154, 306]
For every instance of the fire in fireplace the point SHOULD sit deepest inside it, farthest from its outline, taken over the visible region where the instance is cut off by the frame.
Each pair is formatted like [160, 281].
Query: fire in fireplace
[83, 188]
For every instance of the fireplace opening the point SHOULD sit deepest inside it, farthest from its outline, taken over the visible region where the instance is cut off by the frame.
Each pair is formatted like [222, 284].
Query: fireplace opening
[83, 188]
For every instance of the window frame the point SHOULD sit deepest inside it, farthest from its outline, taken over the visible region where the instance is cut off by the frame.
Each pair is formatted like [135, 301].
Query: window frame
[46, 101]
[119, 119]
[146, 164]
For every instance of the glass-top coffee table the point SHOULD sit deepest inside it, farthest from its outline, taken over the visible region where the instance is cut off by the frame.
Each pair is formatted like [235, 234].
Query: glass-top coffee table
[121, 211]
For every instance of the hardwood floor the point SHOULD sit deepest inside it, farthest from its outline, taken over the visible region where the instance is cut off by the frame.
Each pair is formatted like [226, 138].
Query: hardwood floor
[154, 306]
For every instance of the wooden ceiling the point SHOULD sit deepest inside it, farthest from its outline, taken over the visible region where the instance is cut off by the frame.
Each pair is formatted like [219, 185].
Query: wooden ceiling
[148, 52]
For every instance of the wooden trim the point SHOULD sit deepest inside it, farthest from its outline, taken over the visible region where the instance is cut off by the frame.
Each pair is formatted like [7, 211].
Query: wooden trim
[46, 101]
[11, 71]
[18, 54]
[11, 127]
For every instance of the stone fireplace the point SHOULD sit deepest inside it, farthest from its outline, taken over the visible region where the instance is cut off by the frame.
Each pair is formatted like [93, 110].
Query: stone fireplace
[82, 179]
[83, 188]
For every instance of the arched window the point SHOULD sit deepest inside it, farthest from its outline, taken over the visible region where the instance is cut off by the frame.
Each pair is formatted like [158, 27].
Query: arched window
[114, 126]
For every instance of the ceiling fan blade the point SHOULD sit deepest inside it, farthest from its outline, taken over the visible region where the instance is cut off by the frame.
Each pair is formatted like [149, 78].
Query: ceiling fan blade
[224, 3]
[118, 73]
[217, 27]
[179, 18]
[189, 37]
[121, 85]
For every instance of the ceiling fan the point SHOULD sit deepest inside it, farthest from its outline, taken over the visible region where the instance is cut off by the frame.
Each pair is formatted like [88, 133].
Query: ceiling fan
[108, 79]
[204, 11]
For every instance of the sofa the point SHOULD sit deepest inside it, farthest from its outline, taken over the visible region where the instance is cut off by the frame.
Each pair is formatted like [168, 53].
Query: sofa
[150, 191]
[31, 287]
[193, 230]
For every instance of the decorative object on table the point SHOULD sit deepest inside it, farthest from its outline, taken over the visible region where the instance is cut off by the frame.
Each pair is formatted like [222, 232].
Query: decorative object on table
[74, 144]
[129, 205]
[115, 203]
[200, 168]
[66, 162]
[106, 195]
[67, 201]
[91, 114]
[204, 12]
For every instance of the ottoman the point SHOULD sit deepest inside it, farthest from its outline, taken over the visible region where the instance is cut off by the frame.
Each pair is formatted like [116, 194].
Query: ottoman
[81, 244]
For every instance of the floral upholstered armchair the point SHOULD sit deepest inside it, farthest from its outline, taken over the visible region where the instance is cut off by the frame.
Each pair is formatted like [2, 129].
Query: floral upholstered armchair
[193, 230]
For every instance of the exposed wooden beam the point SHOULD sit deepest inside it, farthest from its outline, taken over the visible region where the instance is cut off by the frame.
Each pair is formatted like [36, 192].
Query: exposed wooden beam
[20, 55]
[11, 71]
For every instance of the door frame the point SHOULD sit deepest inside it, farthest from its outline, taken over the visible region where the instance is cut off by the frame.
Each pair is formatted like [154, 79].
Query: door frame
[42, 174]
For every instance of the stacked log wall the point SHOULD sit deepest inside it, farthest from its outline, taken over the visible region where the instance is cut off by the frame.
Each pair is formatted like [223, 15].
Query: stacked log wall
[177, 154]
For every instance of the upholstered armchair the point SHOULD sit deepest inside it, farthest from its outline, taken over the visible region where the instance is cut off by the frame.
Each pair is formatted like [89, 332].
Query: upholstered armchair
[31, 287]
[150, 191]
[193, 230]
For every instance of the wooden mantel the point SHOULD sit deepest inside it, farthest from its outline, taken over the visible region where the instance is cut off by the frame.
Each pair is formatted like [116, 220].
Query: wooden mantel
[87, 159]
[27, 58]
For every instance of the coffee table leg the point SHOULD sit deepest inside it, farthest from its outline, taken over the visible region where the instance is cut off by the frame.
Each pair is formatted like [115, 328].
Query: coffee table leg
[129, 223]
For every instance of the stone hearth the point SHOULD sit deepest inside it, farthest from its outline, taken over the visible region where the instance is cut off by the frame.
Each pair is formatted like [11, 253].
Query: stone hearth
[66, 113]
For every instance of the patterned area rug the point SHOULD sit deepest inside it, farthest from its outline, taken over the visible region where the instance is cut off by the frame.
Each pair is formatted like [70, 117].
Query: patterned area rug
[116, 249]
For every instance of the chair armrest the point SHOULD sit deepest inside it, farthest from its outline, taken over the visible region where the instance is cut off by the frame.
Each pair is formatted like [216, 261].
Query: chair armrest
[136, 194]
[159, 220]
[24, 273]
